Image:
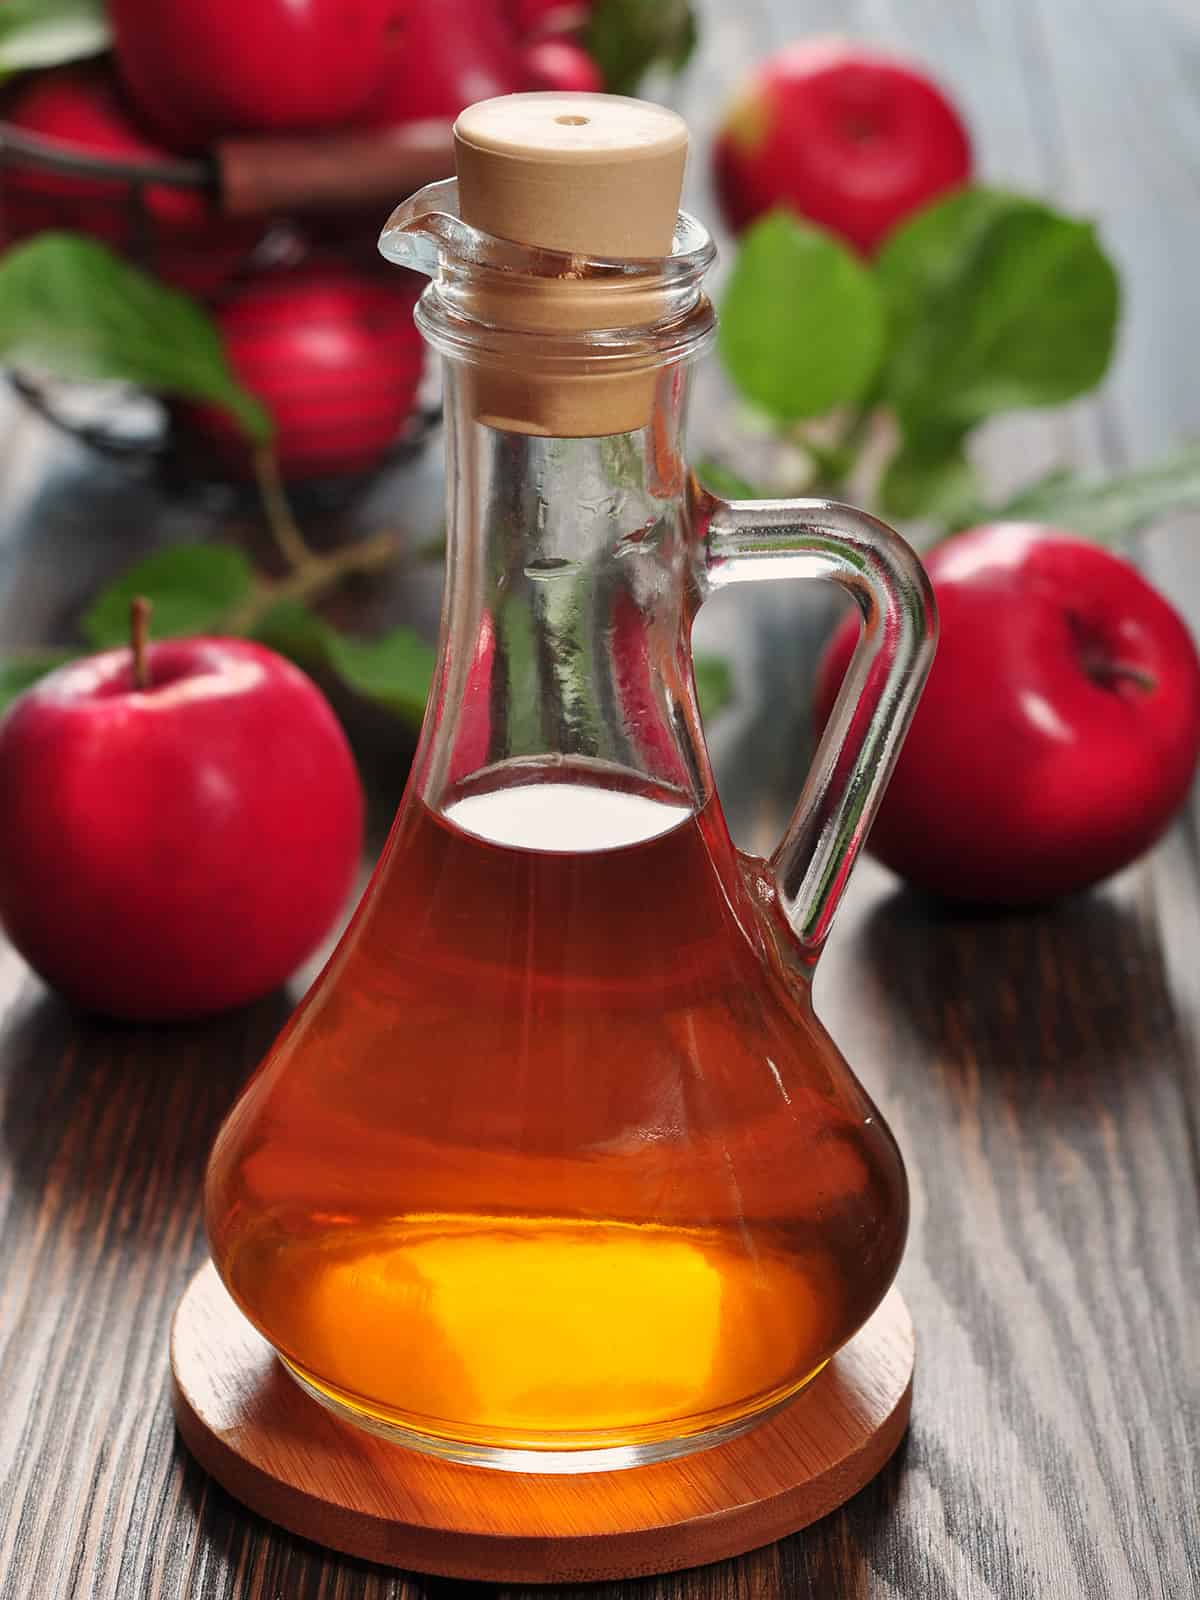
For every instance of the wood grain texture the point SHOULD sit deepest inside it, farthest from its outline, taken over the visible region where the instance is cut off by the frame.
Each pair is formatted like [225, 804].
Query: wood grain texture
[1040, 1071]
[1040, 1076]
[283, 1455]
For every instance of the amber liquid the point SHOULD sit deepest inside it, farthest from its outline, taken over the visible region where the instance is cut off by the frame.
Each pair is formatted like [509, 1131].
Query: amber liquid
[555, 1155]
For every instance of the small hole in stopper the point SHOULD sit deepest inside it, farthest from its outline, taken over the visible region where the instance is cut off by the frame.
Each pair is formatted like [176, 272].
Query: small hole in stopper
[572, 122]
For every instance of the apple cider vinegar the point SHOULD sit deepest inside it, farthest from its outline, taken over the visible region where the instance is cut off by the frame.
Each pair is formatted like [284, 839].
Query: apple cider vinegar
[545, 1160]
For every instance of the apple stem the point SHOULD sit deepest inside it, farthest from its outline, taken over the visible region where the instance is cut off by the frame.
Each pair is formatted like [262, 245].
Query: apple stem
[139, 629]
[1116, 673]
[379, 553]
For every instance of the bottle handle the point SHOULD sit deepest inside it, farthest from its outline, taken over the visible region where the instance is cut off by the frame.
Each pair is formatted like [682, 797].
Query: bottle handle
[753, 539]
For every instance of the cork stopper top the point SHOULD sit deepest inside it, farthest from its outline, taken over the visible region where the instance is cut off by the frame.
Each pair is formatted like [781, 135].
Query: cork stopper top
[594, 174]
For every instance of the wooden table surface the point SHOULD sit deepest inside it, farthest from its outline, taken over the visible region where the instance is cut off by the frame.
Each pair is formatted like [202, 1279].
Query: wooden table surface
[1040, 1071]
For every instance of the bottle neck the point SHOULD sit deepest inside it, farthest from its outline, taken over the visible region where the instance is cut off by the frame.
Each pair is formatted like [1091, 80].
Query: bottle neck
[565, 642]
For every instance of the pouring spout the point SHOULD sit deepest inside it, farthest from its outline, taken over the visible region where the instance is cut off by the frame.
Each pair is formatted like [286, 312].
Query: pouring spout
[423, 228]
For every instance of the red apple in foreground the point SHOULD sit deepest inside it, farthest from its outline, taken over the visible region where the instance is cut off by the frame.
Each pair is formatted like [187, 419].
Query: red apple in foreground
[333, 354]
[1059, 731]
[841, 134]
[175, 850]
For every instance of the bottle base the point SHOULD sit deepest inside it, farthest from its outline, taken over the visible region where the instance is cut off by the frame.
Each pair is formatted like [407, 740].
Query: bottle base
[588, 1455]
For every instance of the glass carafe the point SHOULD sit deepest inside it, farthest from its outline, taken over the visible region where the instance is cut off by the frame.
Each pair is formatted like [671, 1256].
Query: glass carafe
[554, 1168]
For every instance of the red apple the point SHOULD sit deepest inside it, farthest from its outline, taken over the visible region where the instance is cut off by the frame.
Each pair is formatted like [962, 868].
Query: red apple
[445, 55]
[560, 65]
[179, 234]
[199, 69]
[175, 850]
[847, 137]
[1058, 732]
[333, 355]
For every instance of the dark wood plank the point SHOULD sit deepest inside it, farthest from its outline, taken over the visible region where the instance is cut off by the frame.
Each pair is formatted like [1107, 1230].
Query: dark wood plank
[1034, 1069]
[105, 1133]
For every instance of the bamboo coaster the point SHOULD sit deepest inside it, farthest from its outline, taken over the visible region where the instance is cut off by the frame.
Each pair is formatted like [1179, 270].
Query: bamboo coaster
[290, 1460]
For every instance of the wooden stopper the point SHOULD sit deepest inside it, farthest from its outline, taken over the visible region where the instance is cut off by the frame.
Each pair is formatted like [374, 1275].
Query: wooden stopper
[595, 174]
[592, 175]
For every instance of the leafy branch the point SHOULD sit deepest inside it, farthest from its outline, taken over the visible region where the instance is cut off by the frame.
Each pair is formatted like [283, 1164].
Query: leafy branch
[984, 302]
[1110, 510]
[70, 306]
[1106, 510]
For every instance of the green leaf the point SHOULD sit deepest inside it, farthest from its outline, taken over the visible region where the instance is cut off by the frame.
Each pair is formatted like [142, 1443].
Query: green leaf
[714, 684]
[995, 303]
[395, 671]
[69, 305]
[292, 630]
[721, 480]
[929, 477]
[193, 588]
[922, 259]
[17, 674]
[1113, 509]
[802, 324]
[626, 38]
[43, 33]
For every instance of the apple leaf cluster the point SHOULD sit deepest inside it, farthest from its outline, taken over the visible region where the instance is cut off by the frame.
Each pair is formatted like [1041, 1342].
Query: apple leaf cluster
[983, 302]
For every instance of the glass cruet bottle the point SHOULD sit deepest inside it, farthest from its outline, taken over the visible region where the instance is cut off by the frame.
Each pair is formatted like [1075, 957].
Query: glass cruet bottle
[554, 1168]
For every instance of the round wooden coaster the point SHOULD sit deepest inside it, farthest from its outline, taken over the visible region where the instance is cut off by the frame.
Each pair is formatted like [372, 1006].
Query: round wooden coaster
[289, 1459]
